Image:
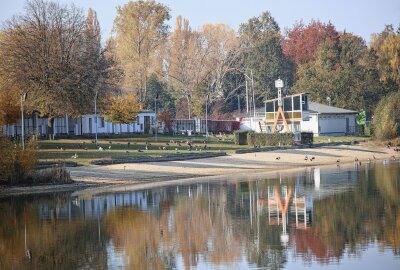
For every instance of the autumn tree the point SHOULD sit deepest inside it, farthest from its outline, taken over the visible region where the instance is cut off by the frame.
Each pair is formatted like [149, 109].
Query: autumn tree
[386, 48]
[121, 109]
[301, 41]
[223, 52]
[186, 63]
[50, 52]
[387, 117]
[140, 35]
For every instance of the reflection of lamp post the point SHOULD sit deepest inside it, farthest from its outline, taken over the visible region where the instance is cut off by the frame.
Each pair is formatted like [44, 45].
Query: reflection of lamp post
[23, 98]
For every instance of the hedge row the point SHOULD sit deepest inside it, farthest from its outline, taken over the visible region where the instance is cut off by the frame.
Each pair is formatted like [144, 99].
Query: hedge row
[273, 139]
[240, 137]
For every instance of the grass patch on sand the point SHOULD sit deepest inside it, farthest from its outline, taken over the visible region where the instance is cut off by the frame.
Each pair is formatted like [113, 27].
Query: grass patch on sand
[85, 150]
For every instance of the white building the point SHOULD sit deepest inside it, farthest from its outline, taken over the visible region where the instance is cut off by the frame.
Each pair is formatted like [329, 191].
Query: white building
[84, 125]
[301, 115]
[327, 120]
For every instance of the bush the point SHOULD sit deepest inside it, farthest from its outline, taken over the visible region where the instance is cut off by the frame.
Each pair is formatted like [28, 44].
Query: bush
[387, 117]
[273, 139]
[240, 137]
[307, 138]
[58, 175]
[17, 165]
[395, 142]
[15, 162]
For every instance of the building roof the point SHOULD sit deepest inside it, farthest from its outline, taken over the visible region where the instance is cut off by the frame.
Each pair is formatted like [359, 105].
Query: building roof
[315, 107]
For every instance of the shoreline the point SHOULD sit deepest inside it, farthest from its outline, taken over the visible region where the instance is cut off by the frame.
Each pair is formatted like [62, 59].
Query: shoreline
[118, 177]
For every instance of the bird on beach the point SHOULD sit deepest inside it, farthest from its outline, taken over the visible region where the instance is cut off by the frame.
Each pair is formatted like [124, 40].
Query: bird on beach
[109, 147]
[101, 148]
[306, 158]
[277, 158]
[75, 156]
[312, 158]
[355, 159]
[147, 148]
[338, 160]
[140, 151]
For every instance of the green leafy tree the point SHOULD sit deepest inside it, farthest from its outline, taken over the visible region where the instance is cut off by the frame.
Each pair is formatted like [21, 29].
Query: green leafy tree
[157, 90]
[342, 72]
[263, 55]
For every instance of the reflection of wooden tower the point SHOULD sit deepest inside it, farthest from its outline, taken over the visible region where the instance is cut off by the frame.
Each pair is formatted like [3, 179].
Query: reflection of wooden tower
[279, 113]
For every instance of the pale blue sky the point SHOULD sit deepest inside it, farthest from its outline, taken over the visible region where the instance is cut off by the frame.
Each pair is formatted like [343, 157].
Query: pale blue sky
[361, 17]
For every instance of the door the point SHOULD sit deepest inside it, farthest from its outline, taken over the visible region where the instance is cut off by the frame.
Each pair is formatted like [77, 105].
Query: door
[347, 125]
[146, 124]
[90, 125]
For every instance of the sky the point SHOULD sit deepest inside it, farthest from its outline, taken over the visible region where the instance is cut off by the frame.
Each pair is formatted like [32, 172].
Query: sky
[361, 17]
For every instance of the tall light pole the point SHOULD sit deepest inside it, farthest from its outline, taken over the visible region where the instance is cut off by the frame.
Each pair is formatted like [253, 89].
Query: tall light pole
[208, 95]
[23, 98]
[95, 115]
[155, 109]
[252, 88]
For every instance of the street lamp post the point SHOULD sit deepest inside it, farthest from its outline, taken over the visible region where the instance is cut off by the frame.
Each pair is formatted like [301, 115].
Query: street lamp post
[155, 121]
[208, 95]
[23, 98]
[95, 115]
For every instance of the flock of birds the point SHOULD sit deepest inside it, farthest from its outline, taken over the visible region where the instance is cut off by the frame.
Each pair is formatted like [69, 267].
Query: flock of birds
[191, 147]
[177, 145]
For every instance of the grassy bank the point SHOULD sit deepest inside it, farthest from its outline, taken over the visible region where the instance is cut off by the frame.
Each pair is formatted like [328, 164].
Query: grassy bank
[83, 151]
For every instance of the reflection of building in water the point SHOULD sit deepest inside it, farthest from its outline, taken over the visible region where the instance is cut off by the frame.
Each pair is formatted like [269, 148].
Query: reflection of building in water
[292, 205]
[285, 208]
[97, 206]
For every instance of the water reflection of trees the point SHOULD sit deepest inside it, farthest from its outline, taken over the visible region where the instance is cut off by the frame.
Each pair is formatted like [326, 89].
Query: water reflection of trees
[213, 223]
[357, 218]
[29, 242]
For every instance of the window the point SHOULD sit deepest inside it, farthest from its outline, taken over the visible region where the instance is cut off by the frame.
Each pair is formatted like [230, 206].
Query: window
[269, 106]
[287, 104]
[296, 103]
[101, 122]
[304, 103]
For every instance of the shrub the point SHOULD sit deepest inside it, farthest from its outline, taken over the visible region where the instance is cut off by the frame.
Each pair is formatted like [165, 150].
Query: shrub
[395, 142]
[273, 139]
[387, 117]
[240, 137]
[307, 138]
[17, 166]
[57, 175]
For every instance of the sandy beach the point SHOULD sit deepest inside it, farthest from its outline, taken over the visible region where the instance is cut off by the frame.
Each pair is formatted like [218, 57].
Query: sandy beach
[192, 170]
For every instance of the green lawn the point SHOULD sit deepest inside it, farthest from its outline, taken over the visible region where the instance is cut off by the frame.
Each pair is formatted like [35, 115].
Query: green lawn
[63, 149]
[326, 139]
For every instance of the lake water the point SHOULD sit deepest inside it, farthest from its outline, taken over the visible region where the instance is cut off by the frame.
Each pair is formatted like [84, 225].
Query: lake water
[345, 217]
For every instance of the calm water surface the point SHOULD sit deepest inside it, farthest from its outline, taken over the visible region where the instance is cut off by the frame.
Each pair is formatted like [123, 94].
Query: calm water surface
[330, 218]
